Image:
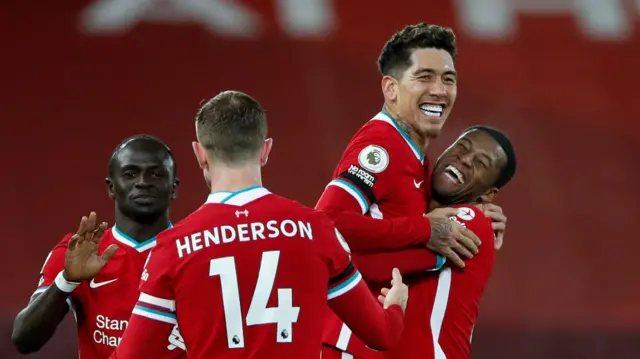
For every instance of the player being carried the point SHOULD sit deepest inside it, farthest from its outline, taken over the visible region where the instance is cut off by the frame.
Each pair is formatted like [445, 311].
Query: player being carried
[484, 157]
[381, 185]
[142, 182]
[249, 273]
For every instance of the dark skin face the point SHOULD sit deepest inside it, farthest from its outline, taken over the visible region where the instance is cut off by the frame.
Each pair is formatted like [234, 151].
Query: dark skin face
[142, 181]
[467, 171]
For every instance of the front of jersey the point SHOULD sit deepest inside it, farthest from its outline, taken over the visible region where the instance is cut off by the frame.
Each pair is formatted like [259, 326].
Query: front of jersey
[450, 302]
[384, 176]
[245, 276]
[102, 307]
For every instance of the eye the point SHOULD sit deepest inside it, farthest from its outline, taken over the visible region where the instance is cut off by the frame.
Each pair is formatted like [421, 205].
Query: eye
[157, 174]
[483, 163]
[128, 174]
[449, 80]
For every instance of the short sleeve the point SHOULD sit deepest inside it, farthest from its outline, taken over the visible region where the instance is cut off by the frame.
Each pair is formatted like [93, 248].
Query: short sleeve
[53, 264]
[343, 276]
[364, 168]
[156, 293]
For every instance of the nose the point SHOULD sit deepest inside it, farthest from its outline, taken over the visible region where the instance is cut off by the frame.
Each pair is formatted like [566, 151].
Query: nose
[143, 181]
[466, 160]
[438, 88]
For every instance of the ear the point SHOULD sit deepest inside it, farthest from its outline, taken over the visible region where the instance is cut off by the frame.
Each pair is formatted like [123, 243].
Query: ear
[264, 152]
[174, 191]
[489, 196]
[201, 155]
[110, 190]
[389, 88]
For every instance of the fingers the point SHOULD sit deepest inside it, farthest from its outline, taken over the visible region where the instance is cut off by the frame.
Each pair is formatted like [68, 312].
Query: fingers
[97, 234]
[453, 257]
[498, 226]
[499, 240]
[384, 291]
[108, 253]
[462, 251]
[444, 212]
[396, 277]
[381, 299]
[82, 226]
[73, 242]
[466, 236]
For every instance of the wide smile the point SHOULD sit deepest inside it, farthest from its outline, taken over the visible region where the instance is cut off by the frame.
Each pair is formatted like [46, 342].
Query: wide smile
[454, 174]
[432, 110]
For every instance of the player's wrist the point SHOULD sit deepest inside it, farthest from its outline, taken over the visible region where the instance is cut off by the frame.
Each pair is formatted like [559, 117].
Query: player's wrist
[64, 284]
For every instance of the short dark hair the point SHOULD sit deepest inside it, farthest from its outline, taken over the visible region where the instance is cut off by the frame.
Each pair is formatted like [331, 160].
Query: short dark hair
[396, 53]
[232, 126]
[509, 169]
[141, 137]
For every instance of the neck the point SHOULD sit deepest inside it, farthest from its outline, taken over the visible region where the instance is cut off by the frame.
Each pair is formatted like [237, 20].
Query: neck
[421, 142]
[232, 179]
[141, 231]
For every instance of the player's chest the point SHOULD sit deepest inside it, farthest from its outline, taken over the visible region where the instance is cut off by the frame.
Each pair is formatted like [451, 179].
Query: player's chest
[408, 193]
[107, 300]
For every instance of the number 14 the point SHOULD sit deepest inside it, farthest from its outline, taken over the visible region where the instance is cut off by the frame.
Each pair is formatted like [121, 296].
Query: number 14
[284, 315]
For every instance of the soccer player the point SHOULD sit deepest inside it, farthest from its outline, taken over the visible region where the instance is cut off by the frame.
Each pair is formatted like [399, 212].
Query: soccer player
[470, 172]
[380, 189]
[142, 182]
[249, 273]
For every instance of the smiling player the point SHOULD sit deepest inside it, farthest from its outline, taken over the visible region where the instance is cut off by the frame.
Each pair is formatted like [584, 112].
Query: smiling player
[142, 182]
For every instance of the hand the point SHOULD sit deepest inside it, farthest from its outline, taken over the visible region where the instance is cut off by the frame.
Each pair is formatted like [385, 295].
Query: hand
[499, 221]
[82, 261]
[398, 294]
[451, 239]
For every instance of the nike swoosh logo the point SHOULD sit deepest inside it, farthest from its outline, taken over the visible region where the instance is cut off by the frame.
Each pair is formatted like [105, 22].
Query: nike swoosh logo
[95, 285]
[417, 184]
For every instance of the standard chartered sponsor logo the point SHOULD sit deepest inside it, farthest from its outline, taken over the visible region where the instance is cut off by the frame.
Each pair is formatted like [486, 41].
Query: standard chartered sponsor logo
[109, 331]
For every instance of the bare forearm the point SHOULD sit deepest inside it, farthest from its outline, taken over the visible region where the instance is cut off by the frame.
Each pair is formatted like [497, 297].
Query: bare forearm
[37, 323]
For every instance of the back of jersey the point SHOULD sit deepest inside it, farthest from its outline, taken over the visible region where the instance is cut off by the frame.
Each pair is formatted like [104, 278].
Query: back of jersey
[249, 276]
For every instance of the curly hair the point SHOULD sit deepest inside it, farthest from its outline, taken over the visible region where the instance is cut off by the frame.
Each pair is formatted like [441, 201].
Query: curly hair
[395, 57]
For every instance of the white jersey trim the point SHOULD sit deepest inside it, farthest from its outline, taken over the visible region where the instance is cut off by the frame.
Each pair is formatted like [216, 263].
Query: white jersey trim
[238, 198]
[382, 116]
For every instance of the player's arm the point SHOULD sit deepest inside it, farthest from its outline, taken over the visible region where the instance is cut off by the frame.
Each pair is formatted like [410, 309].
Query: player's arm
[153, 318]
[36, 324]
[377, 267]
[350, 298]
[357, 186]
[150, 326]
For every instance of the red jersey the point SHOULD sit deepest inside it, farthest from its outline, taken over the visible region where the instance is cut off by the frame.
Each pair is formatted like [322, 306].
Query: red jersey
[102, 306]
[377, 200]
[248, 275]
[452, 301]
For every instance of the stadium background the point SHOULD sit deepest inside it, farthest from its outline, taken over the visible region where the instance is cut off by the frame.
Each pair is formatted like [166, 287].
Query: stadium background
[79, 76]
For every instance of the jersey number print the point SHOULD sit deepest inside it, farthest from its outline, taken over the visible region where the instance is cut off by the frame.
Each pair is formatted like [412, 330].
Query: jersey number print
[284, 315]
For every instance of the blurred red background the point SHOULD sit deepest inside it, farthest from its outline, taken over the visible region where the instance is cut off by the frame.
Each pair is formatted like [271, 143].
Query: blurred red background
[566, 282]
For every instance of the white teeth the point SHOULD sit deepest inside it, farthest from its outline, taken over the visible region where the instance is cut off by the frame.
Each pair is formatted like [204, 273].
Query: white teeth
[431, 108]
[456, 172]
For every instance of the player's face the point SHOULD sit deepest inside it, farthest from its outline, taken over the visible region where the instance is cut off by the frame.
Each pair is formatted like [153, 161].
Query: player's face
[467, 171]
[143, 184]
[427, 91]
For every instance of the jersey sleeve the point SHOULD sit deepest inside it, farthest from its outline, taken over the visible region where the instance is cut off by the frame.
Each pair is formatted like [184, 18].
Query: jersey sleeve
[350, 298]
[377, 267]
[153, 320]
[365, 176]
[53, 264]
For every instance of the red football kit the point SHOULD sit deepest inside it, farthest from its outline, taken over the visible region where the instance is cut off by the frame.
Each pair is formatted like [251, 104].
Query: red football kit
[248, 275]
[102, 307]
[450, 302]
[377, 200]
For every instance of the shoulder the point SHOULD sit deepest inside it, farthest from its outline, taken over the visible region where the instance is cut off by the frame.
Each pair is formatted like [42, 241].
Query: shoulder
[475, 220]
